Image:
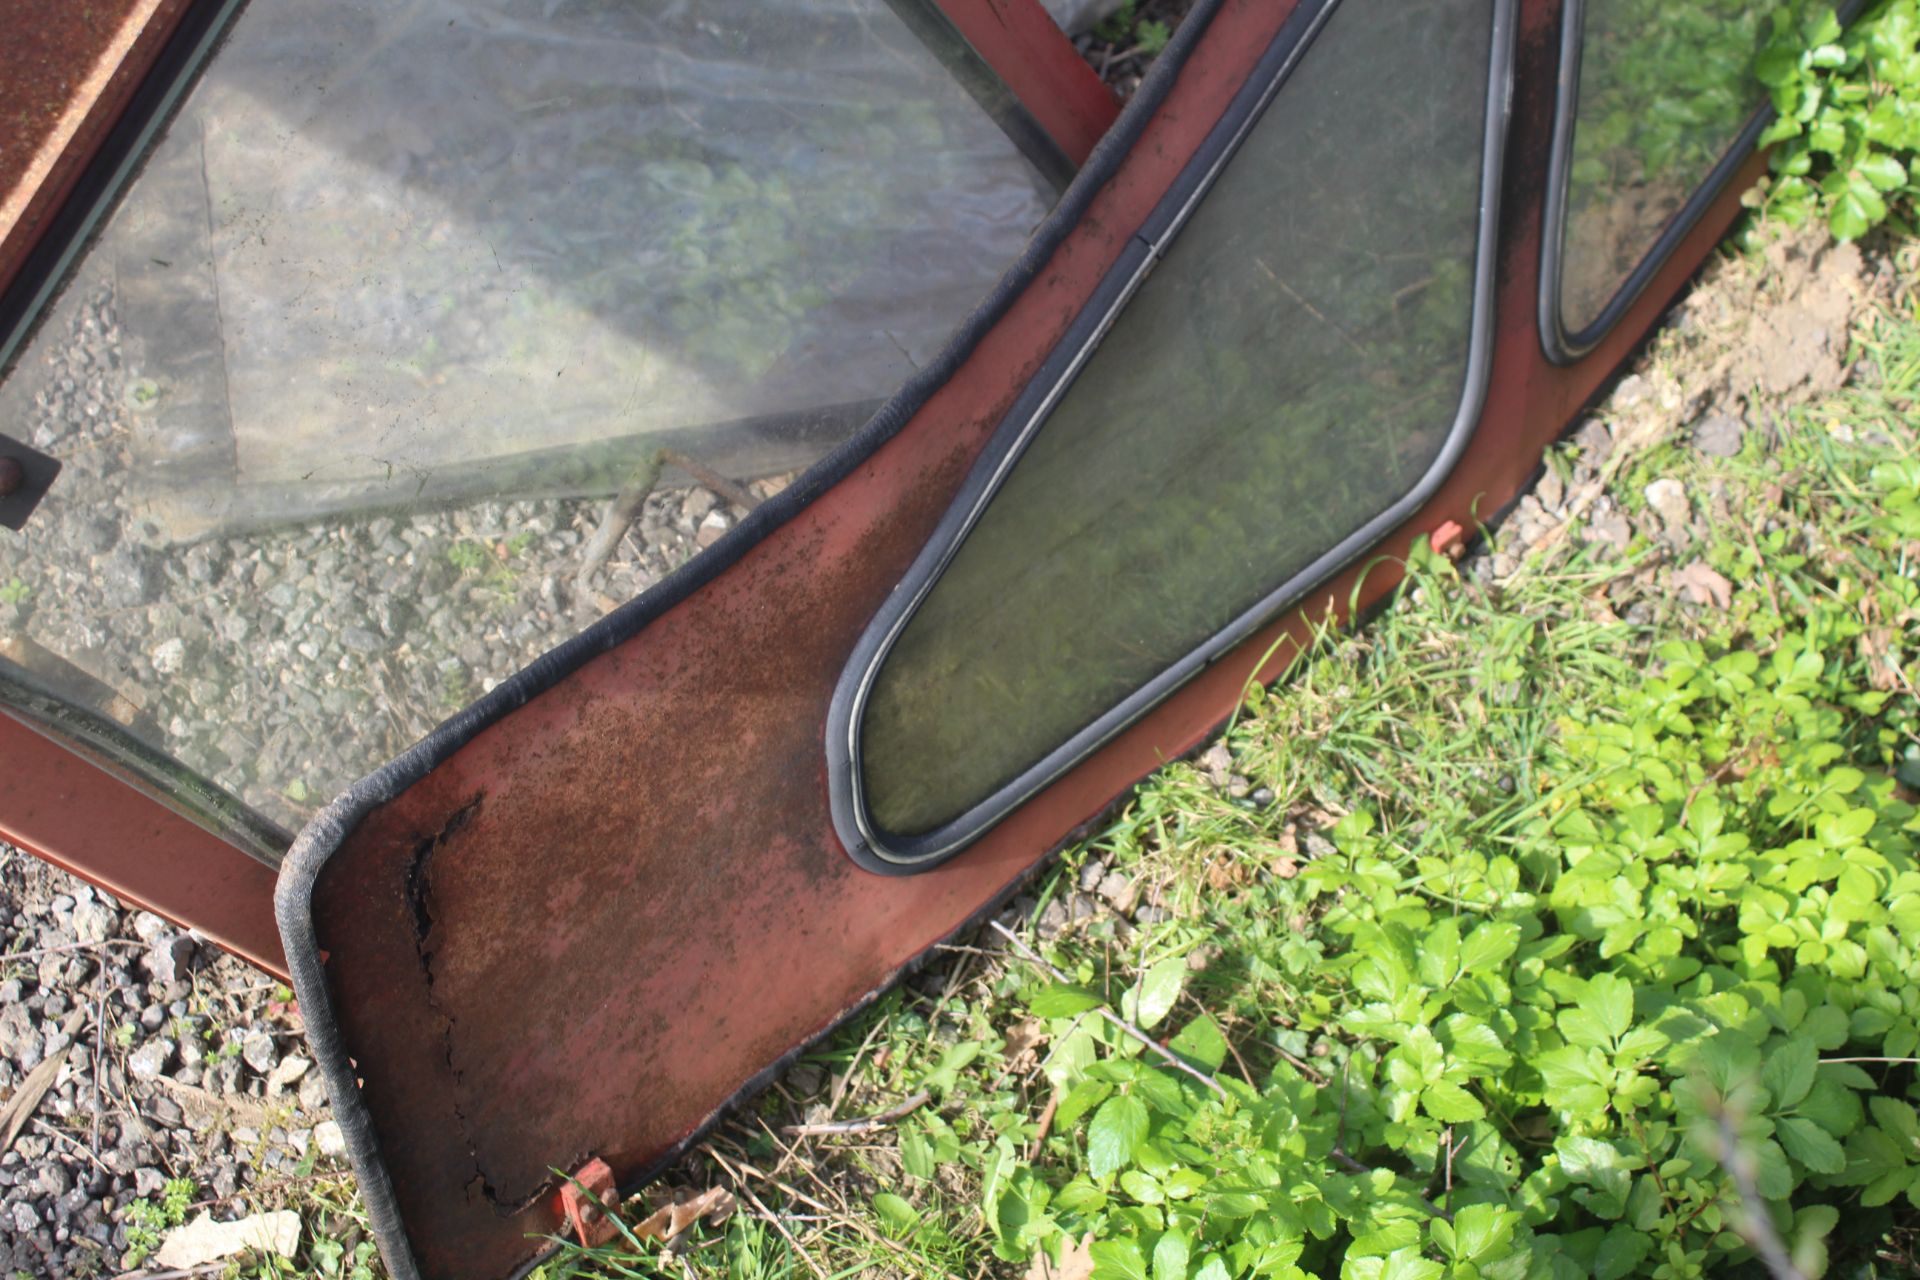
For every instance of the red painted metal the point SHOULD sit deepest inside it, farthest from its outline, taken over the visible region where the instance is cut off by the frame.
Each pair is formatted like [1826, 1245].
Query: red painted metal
[1449, 539]
[67, 70]
[87, 819]
[591, 1223]
[1027, 49]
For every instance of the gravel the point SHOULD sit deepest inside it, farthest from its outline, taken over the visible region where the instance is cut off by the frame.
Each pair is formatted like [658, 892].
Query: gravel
[163, 1075]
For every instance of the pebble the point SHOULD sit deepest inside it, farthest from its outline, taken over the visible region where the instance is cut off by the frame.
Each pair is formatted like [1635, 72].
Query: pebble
[257, 1051]
[151, 1059]
[169, 959]
[327, 1137]
[1718, 435]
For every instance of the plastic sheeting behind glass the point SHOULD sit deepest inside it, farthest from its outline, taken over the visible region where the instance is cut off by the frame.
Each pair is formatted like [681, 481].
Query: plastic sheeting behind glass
[1290, 370]
[1665, 88]
[402, 282]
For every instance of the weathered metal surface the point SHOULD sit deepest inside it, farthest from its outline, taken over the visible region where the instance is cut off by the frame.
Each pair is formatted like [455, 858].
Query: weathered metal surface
[67, 68]
[86, 819]
[612, 909]
[1040, 66]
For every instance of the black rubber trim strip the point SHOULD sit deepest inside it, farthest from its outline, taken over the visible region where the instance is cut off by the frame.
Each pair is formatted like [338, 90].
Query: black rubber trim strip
[123, 150]
[330, 828]
[902, 855]
[1561, 346]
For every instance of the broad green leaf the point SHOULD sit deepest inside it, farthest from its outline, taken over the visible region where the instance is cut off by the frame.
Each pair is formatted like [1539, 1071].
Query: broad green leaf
[1788, 1071]
[1119, 1126]
[1488, 947]
[1585, 1027]
[1773, 1176]
[1117, 1260]
[1439, 954]
[1170, 1257]
[1159, 989]
[1621, 1252]
[1480, 1231]
[1407, 1264]
[916, 1154]
[895, 1211]
[1201, 1041]
[1450, 1104]
[1811, 1145]
[1063, 1000]
[945, 1078]
[1611, 1000]
[1081, 1099]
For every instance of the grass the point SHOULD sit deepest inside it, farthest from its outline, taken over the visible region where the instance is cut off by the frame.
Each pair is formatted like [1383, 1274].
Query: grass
[1443, 723]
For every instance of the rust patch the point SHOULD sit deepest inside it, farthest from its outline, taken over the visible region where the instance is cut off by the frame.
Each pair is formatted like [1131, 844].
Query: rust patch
[67, 68]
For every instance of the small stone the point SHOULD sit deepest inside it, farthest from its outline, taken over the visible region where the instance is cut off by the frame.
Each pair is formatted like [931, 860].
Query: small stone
[151, 1058]
[258, 1052]
[288, 1070]
[1668, 498]
[169, 959]
[94, 921]
[1551, 491]
[169, 656]
[1119, 891]
[1595, 441]
[327, 1136]
[1718, 435]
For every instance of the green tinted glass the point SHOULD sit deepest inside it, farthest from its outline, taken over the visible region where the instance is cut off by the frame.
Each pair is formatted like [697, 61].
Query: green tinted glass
[1292, 368]
[1665, 89]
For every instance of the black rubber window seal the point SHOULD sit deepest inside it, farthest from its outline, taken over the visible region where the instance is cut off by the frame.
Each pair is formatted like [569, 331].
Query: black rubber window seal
[879, 852]
[1564, 347]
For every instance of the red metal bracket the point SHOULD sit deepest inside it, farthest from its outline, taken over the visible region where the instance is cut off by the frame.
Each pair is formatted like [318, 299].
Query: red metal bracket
[1027, 49]
[72, 812]
[1449, 540]
[592, 1224]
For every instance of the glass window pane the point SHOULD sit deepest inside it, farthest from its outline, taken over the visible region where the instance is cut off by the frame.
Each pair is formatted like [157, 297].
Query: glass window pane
[1290, 370]
[407, 289]
[1665, 88]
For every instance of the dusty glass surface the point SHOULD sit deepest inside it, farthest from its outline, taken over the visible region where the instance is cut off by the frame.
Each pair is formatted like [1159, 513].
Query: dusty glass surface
[1665, 88]
[406, 291]
[1290, 370]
